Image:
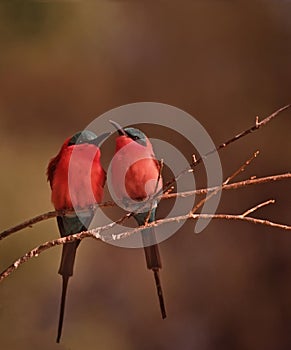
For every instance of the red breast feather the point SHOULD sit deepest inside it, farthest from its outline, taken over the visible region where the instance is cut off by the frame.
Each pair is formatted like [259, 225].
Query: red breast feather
[141, 176]
[83, 186]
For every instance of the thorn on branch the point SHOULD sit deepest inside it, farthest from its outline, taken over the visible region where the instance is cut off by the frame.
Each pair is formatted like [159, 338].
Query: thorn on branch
[257, 122]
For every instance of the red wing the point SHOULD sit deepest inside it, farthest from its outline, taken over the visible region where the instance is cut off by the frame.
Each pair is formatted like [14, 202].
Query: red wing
[54, 162]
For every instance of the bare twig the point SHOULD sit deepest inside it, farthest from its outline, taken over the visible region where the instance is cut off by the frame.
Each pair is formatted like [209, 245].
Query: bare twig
[258, 124]
[233, 186]
[96, 233]
[253, 209]
[41, 248]
[28, 223]
[219, 188]
[242, 168]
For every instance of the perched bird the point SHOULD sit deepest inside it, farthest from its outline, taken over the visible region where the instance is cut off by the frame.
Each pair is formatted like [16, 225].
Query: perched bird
[77, 179]
[135, 158]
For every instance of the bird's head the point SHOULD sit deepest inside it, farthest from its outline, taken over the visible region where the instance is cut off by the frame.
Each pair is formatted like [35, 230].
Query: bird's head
[87, 137]
[131, 133]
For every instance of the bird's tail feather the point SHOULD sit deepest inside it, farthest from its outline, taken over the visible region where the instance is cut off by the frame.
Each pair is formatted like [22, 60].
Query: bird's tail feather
[66, 270]
[160, 293]
[151, 249]
[62, 307]
[68, 258]
[153, 260]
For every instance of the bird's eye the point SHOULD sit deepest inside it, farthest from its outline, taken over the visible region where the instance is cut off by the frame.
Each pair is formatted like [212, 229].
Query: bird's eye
[135, 138]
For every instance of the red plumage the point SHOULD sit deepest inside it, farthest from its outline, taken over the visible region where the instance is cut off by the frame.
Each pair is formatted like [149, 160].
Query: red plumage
[87, 177]
[142, 169]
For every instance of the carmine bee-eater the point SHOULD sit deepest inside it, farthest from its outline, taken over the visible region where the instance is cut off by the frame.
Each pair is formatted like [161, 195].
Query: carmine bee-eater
[142, 181]
[77, 179]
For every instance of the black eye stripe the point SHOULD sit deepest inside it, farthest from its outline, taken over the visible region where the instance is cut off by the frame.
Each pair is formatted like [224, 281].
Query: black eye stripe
[136, 136]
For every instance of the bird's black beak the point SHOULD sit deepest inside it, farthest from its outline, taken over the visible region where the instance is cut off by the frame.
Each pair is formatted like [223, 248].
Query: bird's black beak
[99, 139]
[119, 128]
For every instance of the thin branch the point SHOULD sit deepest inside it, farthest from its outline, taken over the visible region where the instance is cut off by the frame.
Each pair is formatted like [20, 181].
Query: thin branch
[28, 223]
[233, 186]
[96, 233]
[40, 249]
[190, 215]
[255, 127]
[270, 201]
[242, 168]
[225, 183]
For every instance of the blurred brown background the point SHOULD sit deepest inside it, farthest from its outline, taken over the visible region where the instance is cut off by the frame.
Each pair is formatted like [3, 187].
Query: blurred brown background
[64, 63]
